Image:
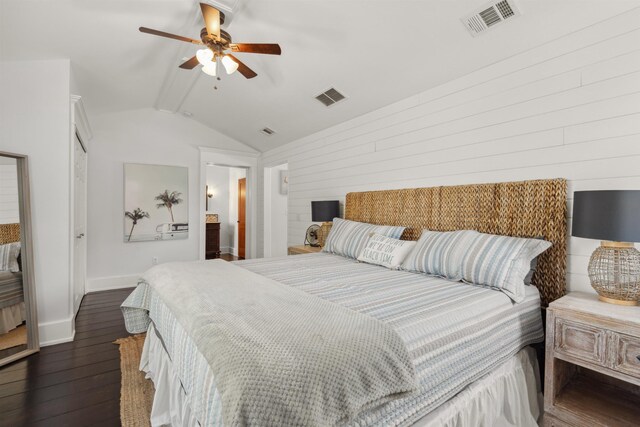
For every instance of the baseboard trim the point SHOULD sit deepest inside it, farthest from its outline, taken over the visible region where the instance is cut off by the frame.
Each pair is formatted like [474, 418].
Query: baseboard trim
[57, 332]
[98, 284]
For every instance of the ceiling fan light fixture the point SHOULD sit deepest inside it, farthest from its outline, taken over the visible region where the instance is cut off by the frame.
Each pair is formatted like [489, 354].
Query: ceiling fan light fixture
[210, 68]
[205, 56]
[215, 42]
[229, 64]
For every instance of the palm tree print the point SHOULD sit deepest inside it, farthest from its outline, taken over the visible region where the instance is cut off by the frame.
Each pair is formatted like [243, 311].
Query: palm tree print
[169, 200]
[135, 216]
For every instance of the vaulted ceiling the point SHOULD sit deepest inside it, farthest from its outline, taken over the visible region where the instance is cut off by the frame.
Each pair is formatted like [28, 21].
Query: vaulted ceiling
[375, 52]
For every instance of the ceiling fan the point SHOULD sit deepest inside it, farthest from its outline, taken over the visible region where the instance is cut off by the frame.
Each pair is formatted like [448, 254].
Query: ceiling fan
[217, 42]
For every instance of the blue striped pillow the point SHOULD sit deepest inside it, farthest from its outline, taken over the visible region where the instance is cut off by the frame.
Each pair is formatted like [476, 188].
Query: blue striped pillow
[439, 253]
[501, 262]
[348, 238]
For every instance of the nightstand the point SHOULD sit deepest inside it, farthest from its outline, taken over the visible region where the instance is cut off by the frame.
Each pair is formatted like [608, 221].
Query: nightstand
[592, 368]
[303, 249]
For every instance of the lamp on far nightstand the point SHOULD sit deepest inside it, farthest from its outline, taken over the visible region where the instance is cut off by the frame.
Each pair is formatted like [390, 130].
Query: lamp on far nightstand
[612, 216]
[324, 211]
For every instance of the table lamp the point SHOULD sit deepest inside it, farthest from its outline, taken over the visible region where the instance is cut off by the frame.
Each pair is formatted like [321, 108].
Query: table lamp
[324, 211]
[612, 216]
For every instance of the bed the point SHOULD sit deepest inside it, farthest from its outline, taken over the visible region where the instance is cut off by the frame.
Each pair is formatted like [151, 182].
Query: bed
[12, 307]
[469, 344]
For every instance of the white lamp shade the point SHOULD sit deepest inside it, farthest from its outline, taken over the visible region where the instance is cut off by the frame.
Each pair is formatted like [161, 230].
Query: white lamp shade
[209, 69]
[230, 65]
[204, 56]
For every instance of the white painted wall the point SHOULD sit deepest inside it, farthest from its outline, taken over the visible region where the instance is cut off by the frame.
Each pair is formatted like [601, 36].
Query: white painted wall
[140, 136]
[569, 108]
[34, 120]
[218, 182]
[9, 208]
[234, 175]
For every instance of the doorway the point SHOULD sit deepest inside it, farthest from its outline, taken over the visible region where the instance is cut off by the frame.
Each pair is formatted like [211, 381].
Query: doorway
[226, 188]
[276, 189]
[242, 216]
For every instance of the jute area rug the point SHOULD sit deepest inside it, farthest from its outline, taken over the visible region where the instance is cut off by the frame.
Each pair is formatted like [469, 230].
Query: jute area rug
[136, 392]
[14, 338]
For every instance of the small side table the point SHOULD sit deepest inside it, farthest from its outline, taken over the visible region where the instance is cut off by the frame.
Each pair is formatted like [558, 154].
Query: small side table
[303, 249]
[592, 367]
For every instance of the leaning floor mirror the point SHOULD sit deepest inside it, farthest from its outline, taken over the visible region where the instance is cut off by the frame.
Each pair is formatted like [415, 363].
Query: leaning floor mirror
[18, 322]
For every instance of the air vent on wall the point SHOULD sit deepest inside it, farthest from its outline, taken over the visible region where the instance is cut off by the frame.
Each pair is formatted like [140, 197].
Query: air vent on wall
[330, 97]
[267, 131]
[490, 15]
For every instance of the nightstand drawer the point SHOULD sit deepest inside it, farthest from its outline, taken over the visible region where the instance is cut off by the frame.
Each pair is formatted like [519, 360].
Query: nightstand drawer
[579, 340]
[626, 354]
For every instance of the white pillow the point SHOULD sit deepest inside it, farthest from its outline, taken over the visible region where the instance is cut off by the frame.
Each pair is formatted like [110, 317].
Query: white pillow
[385, 251]
[347, 238]
[9, 257]
[501, 262]
[439, 253]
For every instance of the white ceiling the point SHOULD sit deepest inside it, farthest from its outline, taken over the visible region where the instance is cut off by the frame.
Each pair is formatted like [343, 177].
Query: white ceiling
[375, 52]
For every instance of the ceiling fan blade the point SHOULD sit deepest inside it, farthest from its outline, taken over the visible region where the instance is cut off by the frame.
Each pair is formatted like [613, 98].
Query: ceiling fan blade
[264, 48]
[190, 64]
[243, 69]
[168, 35]
[211, 17]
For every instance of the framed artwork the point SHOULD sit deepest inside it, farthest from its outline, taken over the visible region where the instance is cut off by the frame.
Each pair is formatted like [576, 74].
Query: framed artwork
[284, 182]
[156, 202]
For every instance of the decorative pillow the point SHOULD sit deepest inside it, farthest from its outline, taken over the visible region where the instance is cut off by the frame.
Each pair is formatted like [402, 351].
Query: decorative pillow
[347, 238]
[385, 251]
[440, 253]
[501, 262]
[9, 257]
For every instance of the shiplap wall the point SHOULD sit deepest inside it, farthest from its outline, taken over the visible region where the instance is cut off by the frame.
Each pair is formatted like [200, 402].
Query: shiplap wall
[9, 210]
[569, 108]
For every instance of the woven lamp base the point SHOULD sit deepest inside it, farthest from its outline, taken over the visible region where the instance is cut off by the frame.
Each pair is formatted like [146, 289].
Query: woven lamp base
[614, 270]
[324, 232]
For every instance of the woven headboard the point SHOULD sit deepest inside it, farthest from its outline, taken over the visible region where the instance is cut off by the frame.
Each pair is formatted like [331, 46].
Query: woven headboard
[521, 209]
[9, 233]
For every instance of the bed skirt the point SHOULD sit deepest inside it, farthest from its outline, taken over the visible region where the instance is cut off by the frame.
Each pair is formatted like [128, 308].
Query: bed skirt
[12, 317]
[508, 396]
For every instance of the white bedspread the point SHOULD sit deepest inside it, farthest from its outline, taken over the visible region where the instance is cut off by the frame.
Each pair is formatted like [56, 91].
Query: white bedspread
[509, 396]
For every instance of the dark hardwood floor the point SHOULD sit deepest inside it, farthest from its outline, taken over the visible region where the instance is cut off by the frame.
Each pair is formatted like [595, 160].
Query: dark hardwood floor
[229, 257]
[70, 384]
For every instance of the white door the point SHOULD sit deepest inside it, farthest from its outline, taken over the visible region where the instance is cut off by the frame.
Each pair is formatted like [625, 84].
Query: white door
[80, 222]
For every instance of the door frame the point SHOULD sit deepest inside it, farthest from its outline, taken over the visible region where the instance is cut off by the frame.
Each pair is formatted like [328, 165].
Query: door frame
[210, 156]
[79, 127]
[266, 226]
[244, 244]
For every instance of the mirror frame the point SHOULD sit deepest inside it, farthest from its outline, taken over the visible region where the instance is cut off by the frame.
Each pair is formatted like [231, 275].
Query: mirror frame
[26, 240]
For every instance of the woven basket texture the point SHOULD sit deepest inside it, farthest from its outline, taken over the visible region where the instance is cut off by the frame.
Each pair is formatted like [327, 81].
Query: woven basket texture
[615, 273]
[9, 233]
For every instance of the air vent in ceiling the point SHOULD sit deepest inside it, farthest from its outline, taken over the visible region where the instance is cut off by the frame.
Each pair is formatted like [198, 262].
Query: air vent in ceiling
[490, 15]
[330, 97]
[267, 131]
